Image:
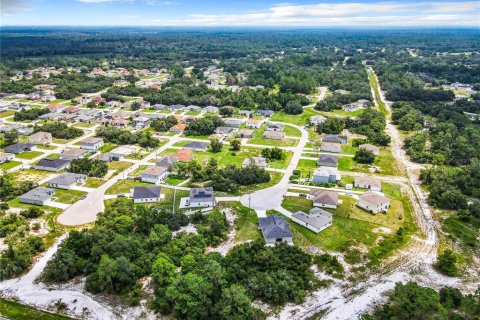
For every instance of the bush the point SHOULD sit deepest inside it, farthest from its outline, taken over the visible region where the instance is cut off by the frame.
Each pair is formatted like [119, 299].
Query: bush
[364, 156]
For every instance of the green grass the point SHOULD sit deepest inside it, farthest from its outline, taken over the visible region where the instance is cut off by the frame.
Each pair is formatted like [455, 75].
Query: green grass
[119, 166]
[107, 147]
[124, 186]
[306, 167]
[9, 165]
[83, 125]
[7, 113]
[67, 196]
[174, 180]
[257, 139]
[374, 84]
[139, 170]
[31, 175]
[341, 112]
[294, 204]
[61, 141]
[47, 147]
[28, 155]
[299, 119]
[94, 182]
[292, 131]
[348, 148]
[275, 177]
[192, 113]
[15, 203]
[16, 311]
[345, 163]
[169, 193]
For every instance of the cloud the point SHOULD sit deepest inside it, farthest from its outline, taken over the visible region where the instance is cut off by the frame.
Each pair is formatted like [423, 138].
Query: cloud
[346, 14]
[11, 7]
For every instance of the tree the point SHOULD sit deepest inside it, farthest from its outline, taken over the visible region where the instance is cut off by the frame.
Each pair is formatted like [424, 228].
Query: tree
[190, 296]
[447, 263]
[135, 105]
[235, 304]
[163, 271]
[91, 168]
[331, 126]
[163, 124]
[364, 156]
[235, 145]
[293, 107]
[226, 111]
[274, 153]
[10, 137]
[215, 145]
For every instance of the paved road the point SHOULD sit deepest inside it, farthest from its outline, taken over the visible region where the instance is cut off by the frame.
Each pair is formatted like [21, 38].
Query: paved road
[86, 210]
[272, 197]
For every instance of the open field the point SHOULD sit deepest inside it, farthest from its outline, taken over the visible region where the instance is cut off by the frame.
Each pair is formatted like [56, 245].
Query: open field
[16, 311]
[93, 182]
[67, 196]
[257, 139]
[9, 165]
[124, 186]
[28, 155]
[298, 119]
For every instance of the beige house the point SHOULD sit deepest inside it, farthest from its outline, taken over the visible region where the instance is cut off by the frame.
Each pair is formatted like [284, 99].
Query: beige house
[371, 183]
[373, 202]
[40, 137]
[275, 135]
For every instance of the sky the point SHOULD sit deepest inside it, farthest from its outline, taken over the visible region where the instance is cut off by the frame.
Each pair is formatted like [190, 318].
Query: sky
[242, 13]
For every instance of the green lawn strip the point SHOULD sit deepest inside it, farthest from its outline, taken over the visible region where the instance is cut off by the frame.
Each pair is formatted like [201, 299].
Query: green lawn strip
[374, 84]
[341, 112]
[138, 171]
[387, 163]
[275, 177]
[348, 148]
[47, 147]
[124, 186]
[192, 113]
[306, 167]
[174, 180]
[107, 147]
[170, 194]
[61, 141]
[67, 196]
[94, 182]
[16, 311]
[314, 135]
[28, 155]
[246, 222]
[15, 203]
[9, 165]
[7, 113]
[83, 125]
[119, 166]
[257, 139]
[346, 163]
[31, 175]
[205, 137]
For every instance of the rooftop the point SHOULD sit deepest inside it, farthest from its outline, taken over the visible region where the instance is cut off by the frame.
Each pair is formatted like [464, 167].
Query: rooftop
[146, 192]
[275, 227]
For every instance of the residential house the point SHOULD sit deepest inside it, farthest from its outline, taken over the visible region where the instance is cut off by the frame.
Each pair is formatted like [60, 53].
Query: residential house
[254, 123]
[72, 154]
[111, 156]
[6, 157]
[333, 138]
[54, 165]
[91, 143]
[363, 103]
[373, 202]
[154, 175]
[371, 183]
[178, 128]
[38, 196]
[119, 123]
[245, 133]
[351, 107]
[146, 194]
[48, 98]
[211, 109]
[120, 115]
[341, 91]
[71, 110]
[112, 104]
[196, 146]
[166, 162]
[275, 230]
[141, 122]
[182, 155]
[316, 220]
[40, 137]
[66, 180]
[20, 147]
[275, 135]
[265, 113]
[236, 123]
[260, 162]
[331, 147]
[201, 197]
[316, 120]
[370, 147]
[327, 160]
[323, 198]
[326, 175]
[274, 127]
[56, 107]
[225, 132]
[192, 108]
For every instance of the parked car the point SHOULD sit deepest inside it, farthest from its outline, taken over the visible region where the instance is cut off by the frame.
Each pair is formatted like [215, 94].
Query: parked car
[121, 196]
[83, 197]
[302, 195]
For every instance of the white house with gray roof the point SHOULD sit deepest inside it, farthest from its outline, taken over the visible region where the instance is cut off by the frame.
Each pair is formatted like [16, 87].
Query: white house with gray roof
[201, 197]
[66, 180]
[154, 175]
[316, 220]
[373, 202]
[275, 230]
[260, 162]
[324, 199]
[196, 146]
[54, 165]
[371, 183]
[146, 194]
[91, 143]
[38, 196]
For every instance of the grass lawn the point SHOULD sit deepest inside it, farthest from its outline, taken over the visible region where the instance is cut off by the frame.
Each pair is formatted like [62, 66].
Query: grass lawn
[139, 170]
[387, 163]
[257, 139]
[292, 131]
[165, 111]
[83, 125]
[67, 196]
[124, 186]
[298, 119]
[15, 203]
[47, 147]
[94, 182]
[7, 113]
[313, 134]
[16, 311]
[28, 155]
[170, 194]
[378, 101]
[306, 167]
[62, 141]
[9, 165]
[342, 112]
[275, 177]
[31, 175]
[107, 147]
[348, 148]
[119, 165]
[294, 204]
[192, 113]
[346, 163]
[174, 180]
[246, 222]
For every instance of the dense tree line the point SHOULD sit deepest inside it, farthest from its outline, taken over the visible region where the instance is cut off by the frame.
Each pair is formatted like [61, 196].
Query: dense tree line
[123, 136]
[31, 114]
[59, 130]
[411, 301]
[91, 168]
[163, 124]
[11, 188]
[370, 123]
[203, 126]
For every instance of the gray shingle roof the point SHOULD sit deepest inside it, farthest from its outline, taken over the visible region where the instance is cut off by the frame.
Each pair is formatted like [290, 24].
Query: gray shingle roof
[42, 194]
[327, 159]
[201, 194]
[196, 145]
[67, 178]
[275, 227]
[146, 192]
[316, 217]
[52, 163]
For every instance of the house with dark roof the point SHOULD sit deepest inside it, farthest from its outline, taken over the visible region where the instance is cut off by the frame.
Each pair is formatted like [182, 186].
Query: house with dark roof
[201, 197]
[225, 132]
[265, 113]
[327, 160]
[196, 146]
[274, 127]
[333, 138]
[54, 165]
[66, 180]
[331, 147]
[245, 133]
[146, 194]
[38, 196]
[20, 147]
[236, 123]
[275, 230]
[166, 162]
[316, 220]
[274, 135]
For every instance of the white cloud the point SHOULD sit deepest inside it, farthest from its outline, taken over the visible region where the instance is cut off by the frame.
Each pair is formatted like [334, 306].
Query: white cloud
[11, 7]
[346, 14]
